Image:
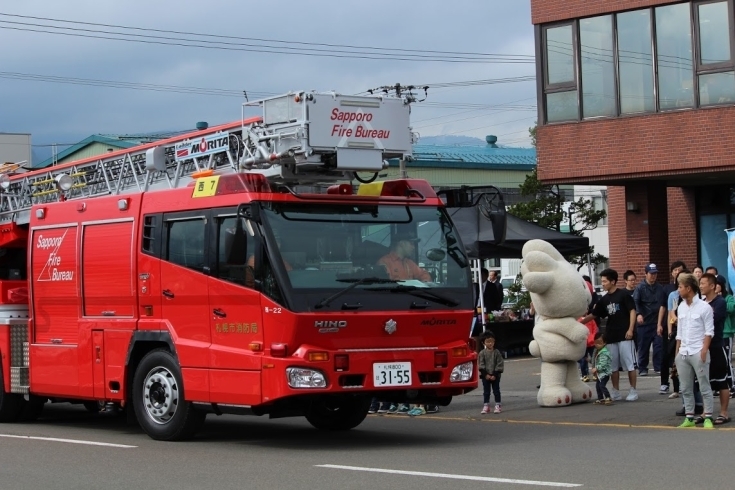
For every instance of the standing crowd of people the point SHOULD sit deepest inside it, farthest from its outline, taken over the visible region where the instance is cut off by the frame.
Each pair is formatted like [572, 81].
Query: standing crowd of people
[687, 324]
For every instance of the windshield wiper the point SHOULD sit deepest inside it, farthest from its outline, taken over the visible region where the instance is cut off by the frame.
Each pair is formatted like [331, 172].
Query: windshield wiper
[422, 293]
[355, 283]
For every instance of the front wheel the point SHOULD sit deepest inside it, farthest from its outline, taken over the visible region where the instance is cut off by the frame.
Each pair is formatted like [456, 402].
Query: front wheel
[338, 413]
[158, 399]
[10, 403]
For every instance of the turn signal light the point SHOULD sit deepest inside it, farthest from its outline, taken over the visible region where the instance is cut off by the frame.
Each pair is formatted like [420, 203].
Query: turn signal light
[341, 362]
[279, 350]
[459, 352]
[440, 359]
[317, 356]
[255, 346]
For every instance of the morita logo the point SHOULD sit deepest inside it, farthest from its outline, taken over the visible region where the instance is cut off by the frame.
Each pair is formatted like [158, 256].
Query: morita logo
[435, 321]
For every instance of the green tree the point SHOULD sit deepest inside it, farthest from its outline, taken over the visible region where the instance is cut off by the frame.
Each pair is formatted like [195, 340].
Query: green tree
[532, 134]
[549, 208]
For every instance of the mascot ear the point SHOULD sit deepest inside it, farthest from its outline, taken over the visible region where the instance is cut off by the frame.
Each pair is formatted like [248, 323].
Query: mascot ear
[538, 282]
[538, 270]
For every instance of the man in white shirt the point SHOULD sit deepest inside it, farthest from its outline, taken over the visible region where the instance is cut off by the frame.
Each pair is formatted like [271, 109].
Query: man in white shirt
[696, 328]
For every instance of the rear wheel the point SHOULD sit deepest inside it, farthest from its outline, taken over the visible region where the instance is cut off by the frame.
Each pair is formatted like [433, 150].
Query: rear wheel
[10, 403]
[158, 399]
[338, 413]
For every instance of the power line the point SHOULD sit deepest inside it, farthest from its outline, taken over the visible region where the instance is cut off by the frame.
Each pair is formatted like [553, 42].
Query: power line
[130, 85]
[301, 43]
[227, 46]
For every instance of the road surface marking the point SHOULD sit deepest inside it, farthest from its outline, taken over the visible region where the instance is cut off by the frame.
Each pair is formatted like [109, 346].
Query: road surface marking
[450, 476]
[69, 441]
[571, 424]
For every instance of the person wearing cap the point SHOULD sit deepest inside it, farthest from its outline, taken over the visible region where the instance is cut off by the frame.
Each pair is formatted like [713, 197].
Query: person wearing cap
[398, 262]
[650, 303]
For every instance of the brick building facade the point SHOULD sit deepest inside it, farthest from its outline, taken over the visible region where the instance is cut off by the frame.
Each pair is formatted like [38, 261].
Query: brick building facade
[639, 95]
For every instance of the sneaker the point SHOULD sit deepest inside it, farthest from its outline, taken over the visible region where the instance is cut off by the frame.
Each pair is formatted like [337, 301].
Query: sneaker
[485, 409]
[585, 379]
[674, 395]
[615, 395]
[632, 395]
[708, 423]
[393, 408]
[687, 423]
[416, 411]
[403, 409]
[373, 409]
[383, 408]
[498, 408]
[432, 408]
[664, 390]
[608, 401]
[643, 373]
[657, 372]
[599, 402]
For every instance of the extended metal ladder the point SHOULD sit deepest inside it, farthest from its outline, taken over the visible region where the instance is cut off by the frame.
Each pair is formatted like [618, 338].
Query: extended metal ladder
[300, 139]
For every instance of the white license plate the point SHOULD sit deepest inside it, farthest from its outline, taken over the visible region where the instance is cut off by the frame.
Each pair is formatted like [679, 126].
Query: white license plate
[392, 373]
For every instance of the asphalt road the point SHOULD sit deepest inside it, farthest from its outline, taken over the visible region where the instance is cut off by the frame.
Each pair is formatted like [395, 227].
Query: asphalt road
[627, 445]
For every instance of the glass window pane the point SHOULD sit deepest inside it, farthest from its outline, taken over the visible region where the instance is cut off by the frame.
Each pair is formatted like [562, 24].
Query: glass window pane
[714, 33]
[717, 88]
[559, 55]
[674, 42]
[713, 241]
[635, 59]
[186, 243]
[598, 70]
[561, 106]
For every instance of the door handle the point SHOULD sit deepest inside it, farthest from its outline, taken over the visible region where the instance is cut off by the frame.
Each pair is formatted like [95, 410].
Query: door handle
[168, 294]
[219, 313]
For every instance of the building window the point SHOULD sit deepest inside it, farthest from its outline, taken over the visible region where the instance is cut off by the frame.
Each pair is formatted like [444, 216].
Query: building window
[598, 69]
[714, 46]
[676, 56]
[560, 79]
[674, 44]
[635, 62]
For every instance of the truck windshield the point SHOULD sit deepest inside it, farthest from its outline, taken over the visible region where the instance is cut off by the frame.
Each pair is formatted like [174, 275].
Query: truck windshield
[326, 248]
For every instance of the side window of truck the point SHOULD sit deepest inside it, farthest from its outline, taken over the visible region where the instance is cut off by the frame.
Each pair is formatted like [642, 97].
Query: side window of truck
[235, 252]
[185, 245]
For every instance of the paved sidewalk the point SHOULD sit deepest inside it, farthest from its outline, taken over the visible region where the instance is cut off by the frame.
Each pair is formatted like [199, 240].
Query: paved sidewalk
[518, 389]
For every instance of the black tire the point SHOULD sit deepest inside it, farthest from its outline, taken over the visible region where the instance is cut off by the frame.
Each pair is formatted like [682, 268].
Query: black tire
[158, 399]
[92, 407]
[339, 412]
[31, 409]
[10, 403]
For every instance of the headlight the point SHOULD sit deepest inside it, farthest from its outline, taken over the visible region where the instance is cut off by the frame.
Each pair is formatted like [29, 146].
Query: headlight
[305, 378]
[461, 372]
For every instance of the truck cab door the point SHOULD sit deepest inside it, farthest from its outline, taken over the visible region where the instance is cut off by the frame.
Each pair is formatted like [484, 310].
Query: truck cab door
[184, 271]
[235, 315]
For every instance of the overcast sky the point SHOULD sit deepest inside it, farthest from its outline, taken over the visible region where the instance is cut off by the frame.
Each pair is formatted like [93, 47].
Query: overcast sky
[67, 112]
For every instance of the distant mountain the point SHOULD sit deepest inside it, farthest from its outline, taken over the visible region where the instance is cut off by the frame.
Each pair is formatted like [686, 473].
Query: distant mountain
[451, 140]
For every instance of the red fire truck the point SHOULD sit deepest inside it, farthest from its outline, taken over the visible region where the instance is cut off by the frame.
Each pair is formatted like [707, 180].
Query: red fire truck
[209, 274]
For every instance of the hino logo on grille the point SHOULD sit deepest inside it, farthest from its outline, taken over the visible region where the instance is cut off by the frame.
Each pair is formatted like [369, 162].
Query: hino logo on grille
[327, 326]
